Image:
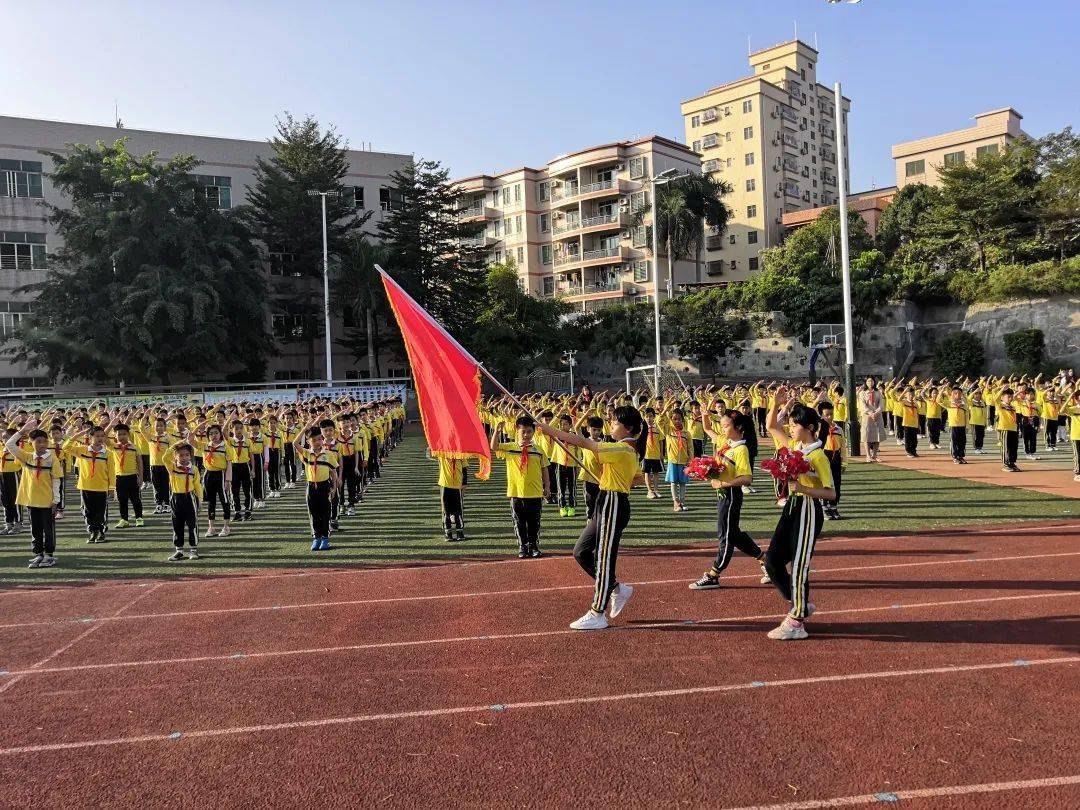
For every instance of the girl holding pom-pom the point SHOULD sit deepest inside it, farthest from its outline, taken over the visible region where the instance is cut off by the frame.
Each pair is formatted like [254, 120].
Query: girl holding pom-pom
[800, 522]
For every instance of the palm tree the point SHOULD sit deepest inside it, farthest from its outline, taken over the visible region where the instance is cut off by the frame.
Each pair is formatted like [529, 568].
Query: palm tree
[684, 207]
[357, 287]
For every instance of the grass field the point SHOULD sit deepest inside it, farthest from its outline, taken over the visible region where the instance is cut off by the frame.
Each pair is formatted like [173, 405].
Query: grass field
[399, 522]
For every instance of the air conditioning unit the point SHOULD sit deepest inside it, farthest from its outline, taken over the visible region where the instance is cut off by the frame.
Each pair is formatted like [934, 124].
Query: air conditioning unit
[777, 193]
[774, 113]
[631, 290]
[626, 235]
[802, 126]
[727, 111]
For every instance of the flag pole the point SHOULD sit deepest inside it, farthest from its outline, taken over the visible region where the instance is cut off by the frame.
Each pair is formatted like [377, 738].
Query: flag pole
[487, 373]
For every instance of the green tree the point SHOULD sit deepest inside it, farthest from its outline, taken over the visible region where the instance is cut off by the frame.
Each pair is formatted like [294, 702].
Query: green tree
[152, 281]
[426, 250]
[621, 333]
[904, 217]
[358, 295]
[1059, 190]
[959, 355]
[288, 221]
[515, 331]
[1026, 350]
[701, 326]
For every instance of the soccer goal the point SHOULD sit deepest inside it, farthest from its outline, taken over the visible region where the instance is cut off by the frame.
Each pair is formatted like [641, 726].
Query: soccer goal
[645, 377]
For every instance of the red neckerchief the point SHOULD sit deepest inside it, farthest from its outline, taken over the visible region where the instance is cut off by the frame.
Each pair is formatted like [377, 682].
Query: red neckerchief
[211, 450]
[37, 465]
[523, 461]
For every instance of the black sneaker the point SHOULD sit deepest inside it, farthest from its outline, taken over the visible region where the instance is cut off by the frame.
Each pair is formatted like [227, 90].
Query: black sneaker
[707, 583]
[535, 551]
[523, 553]
[176, 556]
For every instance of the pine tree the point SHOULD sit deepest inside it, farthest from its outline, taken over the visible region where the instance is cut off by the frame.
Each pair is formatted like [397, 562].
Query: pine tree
[288, 221]
[152, 281]
[423, 239]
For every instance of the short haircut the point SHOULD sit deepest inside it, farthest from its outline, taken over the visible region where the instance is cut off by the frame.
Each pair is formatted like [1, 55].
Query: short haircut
[596, 422]
[525, 421]
[38, 433]
[314, 432]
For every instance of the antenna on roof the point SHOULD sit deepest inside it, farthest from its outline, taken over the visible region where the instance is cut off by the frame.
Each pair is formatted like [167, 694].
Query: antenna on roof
[116, 116]
[748, 50]
[815, 41]
[796, 30]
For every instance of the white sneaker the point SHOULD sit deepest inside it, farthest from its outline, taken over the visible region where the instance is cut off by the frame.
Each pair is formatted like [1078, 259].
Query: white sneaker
[766, 579]
[48, 561]
[193, 554]
[789, 630]
[211, 533]
[590, 621]
[619, 597]
[176, 556]
[37, 561]
[225, 531]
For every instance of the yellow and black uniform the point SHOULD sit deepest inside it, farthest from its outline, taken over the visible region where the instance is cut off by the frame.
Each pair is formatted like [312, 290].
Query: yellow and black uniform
[215, 462]
[735, 458]
[909, 423]
[157, 444]
[597, 549]
[238, 452]
[933, 419]
[1050, 410]
[289, 436]
[1073, 412]
[257, 448]
[275, 441]
[833, 448]
[1007, 434]
[9, 488]
[39, 490]
[186, 491]
[1027, 421]
[565, 465]
[525, 489]
[592, 468]
[319, 469]
[96, 477]
[958, 422]
[653, 451]
[797, 531]
[126, 464]
[453, 476]
[977, 418]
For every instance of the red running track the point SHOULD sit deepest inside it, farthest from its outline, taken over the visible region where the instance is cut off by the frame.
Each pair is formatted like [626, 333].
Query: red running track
[943, 671]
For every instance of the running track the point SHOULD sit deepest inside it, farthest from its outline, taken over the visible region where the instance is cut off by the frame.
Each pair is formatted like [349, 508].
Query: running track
[944, 671]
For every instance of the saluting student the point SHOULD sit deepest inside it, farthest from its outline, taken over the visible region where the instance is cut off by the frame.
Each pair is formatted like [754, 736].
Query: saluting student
[321, 473]
[1072, 410]
[597, 549]
[527, 483]
[216, 479]
[833, 448]
[1007, 430]
[9, 486]
[96, 477]
[239, 456]
[958, 421]
[186, 489]
[125, 457]
[39, 490]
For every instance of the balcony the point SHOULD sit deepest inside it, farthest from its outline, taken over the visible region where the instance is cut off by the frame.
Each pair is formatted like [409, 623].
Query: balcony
[603, 254]
[790, 142]
[566, 226]
[475, 242]
[788, 115]
[472, 212]
[567, 259]
[601, 188]
[790, 164]
[791, 189]
[565, 192]
[599, 222]
[714, 268]
[710, 166]
[714, 243]
[709, 141]
[709, 115]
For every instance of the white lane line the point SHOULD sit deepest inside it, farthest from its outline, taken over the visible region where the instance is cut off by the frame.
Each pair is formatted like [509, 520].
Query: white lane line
[623, 697]
[38, 666]
[946, 533]
[893, 796]
[513, 592]
[383, 645]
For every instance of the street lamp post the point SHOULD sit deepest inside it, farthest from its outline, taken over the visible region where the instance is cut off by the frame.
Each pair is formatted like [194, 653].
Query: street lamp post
[326, 284]
[571, 362]
[660, 179]
[845, 265]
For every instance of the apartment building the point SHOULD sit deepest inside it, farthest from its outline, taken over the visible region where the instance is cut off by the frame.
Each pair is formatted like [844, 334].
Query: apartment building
[919, 161]
[869, 205]
[773, 136]
[227, 172]
[567, 226]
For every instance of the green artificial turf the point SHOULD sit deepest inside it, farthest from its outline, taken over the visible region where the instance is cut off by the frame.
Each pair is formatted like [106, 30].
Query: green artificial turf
[399, 522]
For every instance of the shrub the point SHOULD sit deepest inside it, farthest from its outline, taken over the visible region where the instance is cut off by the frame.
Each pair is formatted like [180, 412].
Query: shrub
[959, 354]
[1026, 350]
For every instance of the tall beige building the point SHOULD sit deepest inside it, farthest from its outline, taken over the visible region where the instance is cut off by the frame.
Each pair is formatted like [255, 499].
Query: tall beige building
[919, 161]
[567, 226]
[772, 136]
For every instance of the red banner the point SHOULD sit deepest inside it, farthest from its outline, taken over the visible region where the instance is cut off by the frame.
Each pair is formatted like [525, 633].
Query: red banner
[447, 382]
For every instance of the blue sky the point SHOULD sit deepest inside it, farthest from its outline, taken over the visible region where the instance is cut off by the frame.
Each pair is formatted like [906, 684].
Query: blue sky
[485, 86]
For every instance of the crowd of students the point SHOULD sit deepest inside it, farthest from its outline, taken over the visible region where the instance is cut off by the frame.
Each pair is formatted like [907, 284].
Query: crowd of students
[227, 461]
[559, 450]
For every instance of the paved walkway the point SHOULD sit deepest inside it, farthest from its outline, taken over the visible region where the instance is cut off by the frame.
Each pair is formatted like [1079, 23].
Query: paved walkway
[1050, 473]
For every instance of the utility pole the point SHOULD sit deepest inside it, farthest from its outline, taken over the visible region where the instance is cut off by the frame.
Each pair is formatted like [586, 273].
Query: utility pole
[845, 267]
[326, 285]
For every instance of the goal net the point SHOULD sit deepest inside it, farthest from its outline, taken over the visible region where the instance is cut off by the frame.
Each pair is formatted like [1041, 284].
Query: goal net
[644, 377]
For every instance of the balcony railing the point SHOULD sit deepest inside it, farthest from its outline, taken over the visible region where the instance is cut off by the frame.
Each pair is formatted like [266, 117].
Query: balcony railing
[601, 253]
[567, 258]
[469, 213]
[600, 219]
[709, 141]
[567, 226]
[565, 192]
[602, 185]
[474, 241]
[791, 190]
[709, 116]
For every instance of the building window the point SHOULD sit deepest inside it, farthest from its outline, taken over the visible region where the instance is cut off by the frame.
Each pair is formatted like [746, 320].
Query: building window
[954, 158]
[11, 317]
[545, 223]
[731, 239]
[749, 158]
[638, 236]
[543, 191]
[695, 121]
[638, 201]
[287, 326]
[727, 137]
[545, 254]
[638, 167]
[22, 251]
[728, 164]
[498, 229]
[748, 106]
[988, 149]
[747, 133]
[20, 178]
[517, 192]
[218, 190]
[520, 256]
[517, 224]
[734, 264]
[751, 211]
[389, 199]
[354, 197]
[751, 237]
[641, 271]
[281, 261]
[549, 285]
[753, 263]
[751, 184]
[914, 167]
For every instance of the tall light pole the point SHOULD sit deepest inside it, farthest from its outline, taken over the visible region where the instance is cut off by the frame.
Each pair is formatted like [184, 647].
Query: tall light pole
[571, 362]
[326, 284]
[845, 267]
[660, 179]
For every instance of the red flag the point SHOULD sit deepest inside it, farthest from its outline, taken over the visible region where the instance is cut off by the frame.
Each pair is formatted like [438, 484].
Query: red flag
[447, 382]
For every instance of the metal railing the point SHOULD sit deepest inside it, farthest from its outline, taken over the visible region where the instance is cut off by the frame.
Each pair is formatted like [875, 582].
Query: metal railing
[474, 211]
[600, 219]
[601, 253]
[601, 185]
